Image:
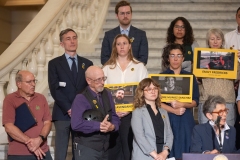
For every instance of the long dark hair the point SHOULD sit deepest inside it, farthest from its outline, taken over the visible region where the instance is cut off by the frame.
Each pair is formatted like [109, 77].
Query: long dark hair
[187, 39]
[166, 52]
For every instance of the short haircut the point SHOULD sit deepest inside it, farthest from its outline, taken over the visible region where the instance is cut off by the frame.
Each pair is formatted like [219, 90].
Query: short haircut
[217, 32]
[121, 4]
[211, 103]
[238, 10]
[120, 89]
[65, 31]
[166, 78]
[18, 77]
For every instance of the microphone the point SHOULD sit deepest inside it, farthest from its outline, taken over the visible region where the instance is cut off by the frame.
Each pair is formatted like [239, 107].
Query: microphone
[217, 122]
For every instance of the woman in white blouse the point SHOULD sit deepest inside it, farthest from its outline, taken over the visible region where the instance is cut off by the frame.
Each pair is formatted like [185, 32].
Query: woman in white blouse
[123, 68]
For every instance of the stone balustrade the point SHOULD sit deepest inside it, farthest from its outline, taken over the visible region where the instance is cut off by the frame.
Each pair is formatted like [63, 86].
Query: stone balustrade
[39, 41]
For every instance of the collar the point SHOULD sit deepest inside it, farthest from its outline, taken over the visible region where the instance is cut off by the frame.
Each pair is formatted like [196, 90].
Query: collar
[18, 95]
[92, 92]
[127, 65]
[226, 127]
[128, 29]
[67, 56]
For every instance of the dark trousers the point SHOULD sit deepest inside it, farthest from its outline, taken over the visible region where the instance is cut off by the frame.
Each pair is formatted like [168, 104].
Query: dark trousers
[63, 130]
[85, 153]
[29, 157]
[123, 140]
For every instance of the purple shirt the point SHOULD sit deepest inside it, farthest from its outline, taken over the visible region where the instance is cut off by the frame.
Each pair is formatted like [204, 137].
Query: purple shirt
[80, 105]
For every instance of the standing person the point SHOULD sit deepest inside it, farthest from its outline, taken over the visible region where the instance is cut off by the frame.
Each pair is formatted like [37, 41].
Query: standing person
[123, 11]
[123, 68]
[92, 136]
[66, 78]
[217, 86]
[32, 144]
[180, 115]
[180, 31]
[153, 137]
[214, 136]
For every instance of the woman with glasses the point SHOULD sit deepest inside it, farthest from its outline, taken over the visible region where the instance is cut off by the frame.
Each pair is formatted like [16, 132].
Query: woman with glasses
[153, 136]
[123, 68]
[217, 86]
[214, 136]
[180, 32]
[180, 115]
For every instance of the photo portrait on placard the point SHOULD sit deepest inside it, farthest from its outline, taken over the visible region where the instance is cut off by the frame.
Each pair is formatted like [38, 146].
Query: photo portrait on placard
[123, 95]
[174, 87]
[215, 63]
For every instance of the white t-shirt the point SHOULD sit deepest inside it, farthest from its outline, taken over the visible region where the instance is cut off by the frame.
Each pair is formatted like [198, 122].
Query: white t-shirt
[133, 73]
[232, 39]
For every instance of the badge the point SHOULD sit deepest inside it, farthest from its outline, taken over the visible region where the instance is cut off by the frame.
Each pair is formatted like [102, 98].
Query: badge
[83, 66]
[37, 107]
[132, 39]
[132, 69]
[163, 116]
[189, 52]
[94, 102]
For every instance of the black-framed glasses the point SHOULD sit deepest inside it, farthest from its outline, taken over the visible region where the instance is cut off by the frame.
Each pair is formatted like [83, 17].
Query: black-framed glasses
[31, 81]
[149, 90]
[179, 27]
[220, 112]
[177, 55]
[99, 80]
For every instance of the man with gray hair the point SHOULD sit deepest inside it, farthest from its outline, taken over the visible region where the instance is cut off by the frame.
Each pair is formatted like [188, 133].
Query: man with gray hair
[31, 144]
[214, 136]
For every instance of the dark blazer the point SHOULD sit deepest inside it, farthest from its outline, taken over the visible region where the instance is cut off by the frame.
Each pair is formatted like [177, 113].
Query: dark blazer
[202, 139]
[59, 71]
[139, 44]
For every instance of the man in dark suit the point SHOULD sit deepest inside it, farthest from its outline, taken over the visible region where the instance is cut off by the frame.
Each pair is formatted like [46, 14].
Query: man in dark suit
[138, 37]
[206, 137]
[66, 78]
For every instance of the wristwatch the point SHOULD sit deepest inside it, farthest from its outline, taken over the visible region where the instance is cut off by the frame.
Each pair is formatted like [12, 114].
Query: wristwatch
[166, 148]
[42, 137]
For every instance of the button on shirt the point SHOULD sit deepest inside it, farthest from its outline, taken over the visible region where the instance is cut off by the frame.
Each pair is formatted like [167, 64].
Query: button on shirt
[70, 61]
[126, 31]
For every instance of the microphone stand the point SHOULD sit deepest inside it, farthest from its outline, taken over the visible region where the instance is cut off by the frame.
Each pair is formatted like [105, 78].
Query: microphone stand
[217, 122]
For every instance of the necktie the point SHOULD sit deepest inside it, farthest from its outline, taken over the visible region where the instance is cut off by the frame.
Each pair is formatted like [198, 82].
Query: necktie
[74, 69]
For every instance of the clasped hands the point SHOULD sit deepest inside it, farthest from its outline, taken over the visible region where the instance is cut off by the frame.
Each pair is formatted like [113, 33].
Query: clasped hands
[33, 145]
[178, 107]
[106, 126]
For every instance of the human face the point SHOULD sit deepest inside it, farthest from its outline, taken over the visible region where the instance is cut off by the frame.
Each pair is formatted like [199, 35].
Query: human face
[175, 59]
[219, 107]
[238, 18]
[122, 46]
[179, 29]
[215, 41]
[96, 81]
[120, 94]
[27, 85]
[170, 82]
[150, 93]
[124, 16]
[70, 43]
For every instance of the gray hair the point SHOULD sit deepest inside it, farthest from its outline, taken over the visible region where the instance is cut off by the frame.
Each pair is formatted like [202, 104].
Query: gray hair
[217, 32]
[18, 77]
[211, 103]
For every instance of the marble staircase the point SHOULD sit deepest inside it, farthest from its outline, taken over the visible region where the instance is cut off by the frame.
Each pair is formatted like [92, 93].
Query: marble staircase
[154, 16]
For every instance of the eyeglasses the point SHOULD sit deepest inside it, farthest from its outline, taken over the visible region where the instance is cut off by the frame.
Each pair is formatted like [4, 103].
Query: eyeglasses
[177, 56]
[31, 81]
[179, 27]
[149, 90]
[99, 80]
[124, 13]
[220, 113]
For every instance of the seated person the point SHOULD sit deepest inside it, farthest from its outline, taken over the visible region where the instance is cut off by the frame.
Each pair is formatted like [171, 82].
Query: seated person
[206, 138]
